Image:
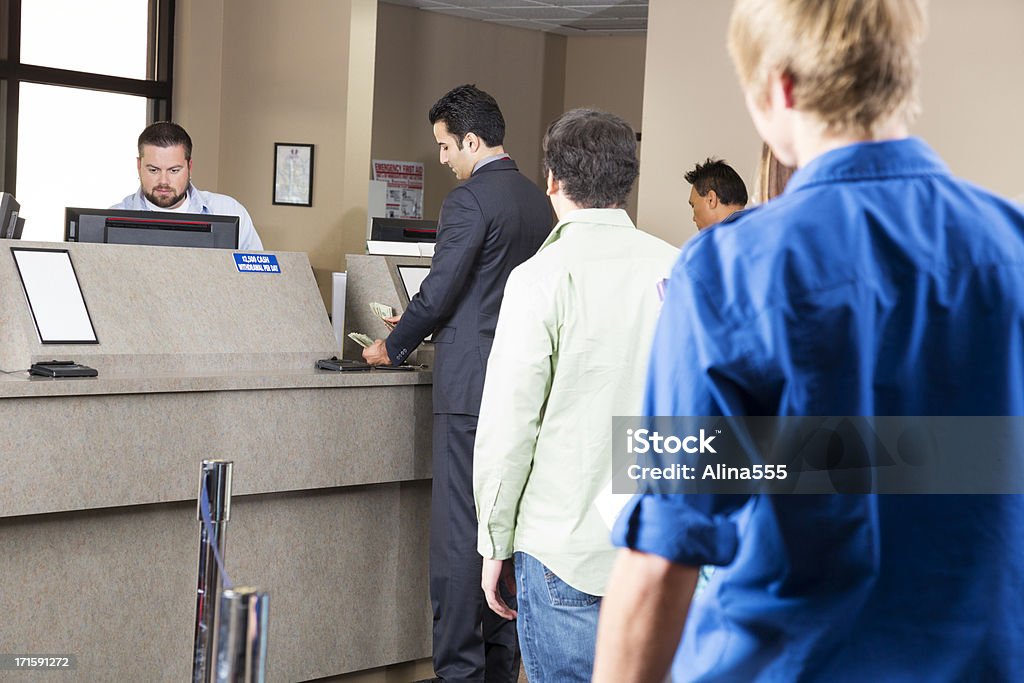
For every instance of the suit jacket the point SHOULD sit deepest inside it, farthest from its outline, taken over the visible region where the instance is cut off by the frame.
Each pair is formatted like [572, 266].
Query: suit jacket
[489, 225]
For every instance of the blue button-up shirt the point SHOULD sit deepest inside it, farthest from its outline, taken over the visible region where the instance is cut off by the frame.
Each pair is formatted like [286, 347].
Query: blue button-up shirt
[199, 201]
[877, 284]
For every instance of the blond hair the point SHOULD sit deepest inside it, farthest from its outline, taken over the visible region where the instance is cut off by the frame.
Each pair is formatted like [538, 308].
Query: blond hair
[853, 63]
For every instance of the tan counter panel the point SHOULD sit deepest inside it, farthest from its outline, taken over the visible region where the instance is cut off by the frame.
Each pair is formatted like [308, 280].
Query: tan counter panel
[96, 451]
[345, 569]
[99, 538]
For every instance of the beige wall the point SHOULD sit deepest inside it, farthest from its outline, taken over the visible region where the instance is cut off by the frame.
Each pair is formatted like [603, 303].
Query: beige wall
[282, 71]
[607, 72]
[199, 29]
[971, 66]
[421, 55]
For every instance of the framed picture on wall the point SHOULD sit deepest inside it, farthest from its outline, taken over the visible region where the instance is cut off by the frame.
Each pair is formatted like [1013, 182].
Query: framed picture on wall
[293, 174]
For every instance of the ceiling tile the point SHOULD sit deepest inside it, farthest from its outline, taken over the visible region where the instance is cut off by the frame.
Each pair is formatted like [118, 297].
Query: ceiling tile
[568, 17]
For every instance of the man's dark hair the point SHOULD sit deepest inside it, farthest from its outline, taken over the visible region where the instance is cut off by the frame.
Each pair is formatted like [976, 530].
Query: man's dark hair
[467, 109]
[166, 134]
[592, 154]
[715, 174]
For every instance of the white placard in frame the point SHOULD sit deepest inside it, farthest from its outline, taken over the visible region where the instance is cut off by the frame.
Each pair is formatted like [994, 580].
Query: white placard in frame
[54, 296]
[293, 174]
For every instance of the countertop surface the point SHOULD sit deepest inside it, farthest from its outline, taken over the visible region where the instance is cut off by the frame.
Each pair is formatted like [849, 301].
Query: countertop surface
[22, 385]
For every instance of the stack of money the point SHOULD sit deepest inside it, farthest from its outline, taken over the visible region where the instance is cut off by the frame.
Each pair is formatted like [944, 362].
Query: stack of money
[383, 311]
[362, 339]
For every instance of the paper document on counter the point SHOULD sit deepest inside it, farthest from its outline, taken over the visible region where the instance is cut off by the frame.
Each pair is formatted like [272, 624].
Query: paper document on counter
[385, 248]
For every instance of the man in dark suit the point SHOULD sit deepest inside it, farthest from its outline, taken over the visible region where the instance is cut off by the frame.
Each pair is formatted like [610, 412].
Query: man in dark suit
[489, 225]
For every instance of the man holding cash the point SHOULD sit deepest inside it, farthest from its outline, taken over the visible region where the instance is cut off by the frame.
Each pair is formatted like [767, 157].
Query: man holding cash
[488, 225]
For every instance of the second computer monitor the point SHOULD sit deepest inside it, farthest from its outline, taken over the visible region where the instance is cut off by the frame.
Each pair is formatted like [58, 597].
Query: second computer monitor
[11, 224]
[116, 226]
[402, 230]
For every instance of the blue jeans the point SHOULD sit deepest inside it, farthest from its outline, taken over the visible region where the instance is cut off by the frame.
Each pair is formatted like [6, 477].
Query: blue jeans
[557, 625]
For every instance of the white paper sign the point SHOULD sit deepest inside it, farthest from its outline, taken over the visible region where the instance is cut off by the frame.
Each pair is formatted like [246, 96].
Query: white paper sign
[54, 296]
[405, 187]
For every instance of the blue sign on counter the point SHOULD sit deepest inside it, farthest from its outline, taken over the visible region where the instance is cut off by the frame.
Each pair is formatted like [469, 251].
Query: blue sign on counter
[257, 263]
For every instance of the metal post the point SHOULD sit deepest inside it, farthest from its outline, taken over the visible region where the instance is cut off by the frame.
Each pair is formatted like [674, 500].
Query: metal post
[241, 655]
[215, 481]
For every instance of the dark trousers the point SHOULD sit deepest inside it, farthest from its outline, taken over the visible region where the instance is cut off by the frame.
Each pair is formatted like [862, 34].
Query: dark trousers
[471, 643]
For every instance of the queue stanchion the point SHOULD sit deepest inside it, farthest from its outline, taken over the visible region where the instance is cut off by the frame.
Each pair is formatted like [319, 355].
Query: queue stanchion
[241, 648]
[214, 511]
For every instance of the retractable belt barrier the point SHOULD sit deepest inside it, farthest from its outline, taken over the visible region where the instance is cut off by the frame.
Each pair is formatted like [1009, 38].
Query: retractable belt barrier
[231, 627]
[214, 511]
[242, 636]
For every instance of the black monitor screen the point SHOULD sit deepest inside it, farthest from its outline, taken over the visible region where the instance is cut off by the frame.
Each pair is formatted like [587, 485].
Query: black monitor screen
[10, 223]
[115, 226]
[402, 230]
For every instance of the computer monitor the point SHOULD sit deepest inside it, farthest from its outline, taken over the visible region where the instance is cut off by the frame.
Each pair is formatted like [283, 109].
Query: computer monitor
[402, 230]
[11, 224]
[116, 226]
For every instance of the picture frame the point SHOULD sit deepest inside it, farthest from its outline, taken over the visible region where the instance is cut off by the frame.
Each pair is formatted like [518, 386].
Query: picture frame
[293, 174]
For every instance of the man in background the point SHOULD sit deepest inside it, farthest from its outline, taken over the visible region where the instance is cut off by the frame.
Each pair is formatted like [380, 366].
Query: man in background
[876, 284]
[569, 354]
[717, 193]
[488, 225]
[165, 182]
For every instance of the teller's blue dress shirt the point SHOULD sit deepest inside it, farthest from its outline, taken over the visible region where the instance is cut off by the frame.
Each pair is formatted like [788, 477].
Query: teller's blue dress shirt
[877, 284]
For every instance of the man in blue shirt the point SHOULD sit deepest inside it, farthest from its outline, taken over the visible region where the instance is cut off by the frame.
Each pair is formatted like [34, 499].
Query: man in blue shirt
[717, 195]
[165, 182]
[877, 284]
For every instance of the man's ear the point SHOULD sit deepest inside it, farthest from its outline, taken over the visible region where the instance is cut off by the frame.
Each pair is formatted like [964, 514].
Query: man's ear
[138, 165]
[553, 185]
[786, 84]
[471, 142]
[712, 199]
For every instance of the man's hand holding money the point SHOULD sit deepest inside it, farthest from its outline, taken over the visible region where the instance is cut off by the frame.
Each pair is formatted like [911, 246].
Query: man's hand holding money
[376, 353]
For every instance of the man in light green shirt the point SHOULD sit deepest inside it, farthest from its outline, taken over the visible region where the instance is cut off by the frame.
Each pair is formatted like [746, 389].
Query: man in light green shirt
[570, 351]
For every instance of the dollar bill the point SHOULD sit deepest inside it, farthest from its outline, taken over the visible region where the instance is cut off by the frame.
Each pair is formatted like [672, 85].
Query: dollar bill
[381, 310]
[362, 339]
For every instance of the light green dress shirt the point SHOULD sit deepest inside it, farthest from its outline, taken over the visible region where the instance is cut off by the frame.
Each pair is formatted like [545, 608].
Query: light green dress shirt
[570, 351]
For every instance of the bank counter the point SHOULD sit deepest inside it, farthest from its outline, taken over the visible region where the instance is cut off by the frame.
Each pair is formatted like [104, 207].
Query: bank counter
[199, 357]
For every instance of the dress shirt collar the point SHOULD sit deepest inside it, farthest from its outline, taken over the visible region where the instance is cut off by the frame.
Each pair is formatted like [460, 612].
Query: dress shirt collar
[870, 161]
[613, 217]
[483, 162]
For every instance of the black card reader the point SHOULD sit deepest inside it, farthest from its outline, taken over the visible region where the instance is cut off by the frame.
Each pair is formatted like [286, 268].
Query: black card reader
[62, 368]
